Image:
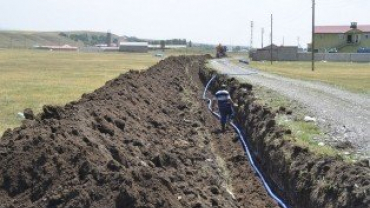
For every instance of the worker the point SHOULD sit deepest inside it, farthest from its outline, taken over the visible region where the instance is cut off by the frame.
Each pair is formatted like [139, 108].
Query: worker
[225, 106]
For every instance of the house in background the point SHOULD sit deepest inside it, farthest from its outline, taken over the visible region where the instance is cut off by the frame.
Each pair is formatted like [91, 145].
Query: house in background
[342, 39]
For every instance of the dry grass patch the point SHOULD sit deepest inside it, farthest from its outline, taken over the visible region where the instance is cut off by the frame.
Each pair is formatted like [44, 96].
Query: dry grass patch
[351, 76]
[31, 79]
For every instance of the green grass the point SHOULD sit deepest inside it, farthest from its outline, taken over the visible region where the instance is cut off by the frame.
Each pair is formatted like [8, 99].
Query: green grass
[354, 77]
[303, 134]
[31, 79]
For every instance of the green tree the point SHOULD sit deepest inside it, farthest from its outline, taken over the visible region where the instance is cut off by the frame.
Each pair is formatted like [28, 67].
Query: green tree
[63, 34]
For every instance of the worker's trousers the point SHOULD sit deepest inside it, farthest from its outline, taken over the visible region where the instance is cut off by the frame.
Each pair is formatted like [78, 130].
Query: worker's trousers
[226, 114]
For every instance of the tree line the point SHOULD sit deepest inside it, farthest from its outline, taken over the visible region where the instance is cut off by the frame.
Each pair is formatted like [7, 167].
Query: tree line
[88, 39]
[169, 42]
[93, 39]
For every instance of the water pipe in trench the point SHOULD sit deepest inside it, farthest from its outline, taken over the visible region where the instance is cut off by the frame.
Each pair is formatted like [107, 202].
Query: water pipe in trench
[246, 149]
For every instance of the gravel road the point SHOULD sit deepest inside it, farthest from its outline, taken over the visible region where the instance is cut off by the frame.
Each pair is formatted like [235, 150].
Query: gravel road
[344, 114]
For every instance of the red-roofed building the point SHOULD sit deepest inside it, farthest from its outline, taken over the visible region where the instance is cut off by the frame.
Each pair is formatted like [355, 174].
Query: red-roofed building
[342, 38]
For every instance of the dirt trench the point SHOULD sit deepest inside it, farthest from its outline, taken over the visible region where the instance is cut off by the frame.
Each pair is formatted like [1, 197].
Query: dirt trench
[303, 179]
[144, 139]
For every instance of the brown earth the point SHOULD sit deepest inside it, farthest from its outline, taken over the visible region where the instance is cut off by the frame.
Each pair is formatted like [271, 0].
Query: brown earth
[303, 178]
[143, 140]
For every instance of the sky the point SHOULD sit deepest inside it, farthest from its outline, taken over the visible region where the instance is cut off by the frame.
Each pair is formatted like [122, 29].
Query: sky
[203, 21]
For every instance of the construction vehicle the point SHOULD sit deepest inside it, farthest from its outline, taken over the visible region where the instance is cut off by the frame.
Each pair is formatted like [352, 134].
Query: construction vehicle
[220, 51]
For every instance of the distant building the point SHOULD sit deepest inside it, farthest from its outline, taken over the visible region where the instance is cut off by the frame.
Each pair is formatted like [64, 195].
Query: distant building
[281, 53]
[94, 49]
[346, 39]
[57, 48]
[167, 46]
[101, 45]
[292, 53]
[134, 47]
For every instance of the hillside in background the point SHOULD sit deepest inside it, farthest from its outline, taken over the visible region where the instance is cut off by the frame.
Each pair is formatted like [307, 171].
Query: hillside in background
[28, 39]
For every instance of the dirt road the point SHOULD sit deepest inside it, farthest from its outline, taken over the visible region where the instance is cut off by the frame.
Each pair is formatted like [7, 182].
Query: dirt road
[345, 115]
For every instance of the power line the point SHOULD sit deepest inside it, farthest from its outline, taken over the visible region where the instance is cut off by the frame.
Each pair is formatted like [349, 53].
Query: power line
[262, 32]
[271, 41]
[313, 35]
[251, 34]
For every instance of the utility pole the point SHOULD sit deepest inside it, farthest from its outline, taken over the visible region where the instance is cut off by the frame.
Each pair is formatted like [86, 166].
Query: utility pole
[313, 35]
[262, 32]
[251, 46]
[271, 41]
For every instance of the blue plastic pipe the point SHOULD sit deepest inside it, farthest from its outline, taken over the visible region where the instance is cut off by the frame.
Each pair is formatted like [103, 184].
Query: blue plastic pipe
[246, 149]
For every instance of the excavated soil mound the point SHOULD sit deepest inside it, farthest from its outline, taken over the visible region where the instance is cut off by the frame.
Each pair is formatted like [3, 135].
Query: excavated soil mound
[142, 140]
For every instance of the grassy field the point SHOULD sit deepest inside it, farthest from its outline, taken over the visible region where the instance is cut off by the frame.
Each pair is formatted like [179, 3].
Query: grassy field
[351, 76]
[31, 79]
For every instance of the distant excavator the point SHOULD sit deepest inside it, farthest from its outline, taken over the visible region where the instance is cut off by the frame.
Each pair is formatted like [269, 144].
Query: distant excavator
[221, 51]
